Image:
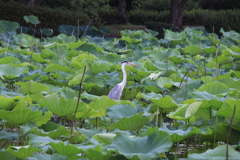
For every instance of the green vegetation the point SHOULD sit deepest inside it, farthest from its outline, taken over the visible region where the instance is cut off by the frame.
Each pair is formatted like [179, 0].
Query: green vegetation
[153, 13]
[182, 100]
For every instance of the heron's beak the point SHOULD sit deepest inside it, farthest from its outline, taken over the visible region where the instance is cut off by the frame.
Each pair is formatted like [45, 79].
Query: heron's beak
[132, 64]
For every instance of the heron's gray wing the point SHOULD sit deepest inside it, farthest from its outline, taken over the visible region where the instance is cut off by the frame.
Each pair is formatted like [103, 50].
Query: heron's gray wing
[115, 92]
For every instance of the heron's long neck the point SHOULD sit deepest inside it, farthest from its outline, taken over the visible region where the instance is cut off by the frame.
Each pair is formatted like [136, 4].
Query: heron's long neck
[124, 75]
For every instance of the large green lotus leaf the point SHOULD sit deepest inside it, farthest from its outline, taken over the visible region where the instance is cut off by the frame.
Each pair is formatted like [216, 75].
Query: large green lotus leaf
[165, 102]
[7, 103]
[165, 82]
[41, 141]
[223, 59]
[74, 45]
[38, 58]
[215, 88]
[8, 26]
[61, 131]
[132, 123]
[2, 50]
[145, 148]
[57, 67]
[59, 105]
[8, 135]
[81, 60]
[159, 54]
[84, 111]
[9, 60]
[118, 112]
[68, 93]
[207, 79]
[89, 133]
[23, 152]
[31, 87]
[186, 111]
[105, 138]
[228, 107]
[11, 72]
[233, 35]
[181, 134]
[76, 79]
[46, 53]
[234, 84]
[99, 67]
[101, 105]
[44, 118]
[149, 66]
[192, 49]
[27, 40]
[20, 116]
[222, 133]
[87, 96]
[200, 95]
[174, 36]
[57, 133]
[209, 49]
[98, 153]
[214, 38]
[31, 19]
[148, 96]
[66, 39]
[213, 103]
[44, 156]
[6, 155]
[66, 150]
[177, 59]
[131, 40]
[218, 153]
[163, 65]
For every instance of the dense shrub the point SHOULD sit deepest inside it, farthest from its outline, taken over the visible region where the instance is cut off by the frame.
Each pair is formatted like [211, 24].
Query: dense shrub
[226, 19]
[108, 15]
[220, 4]
[49, 18]
[139, 16]
[160, 5]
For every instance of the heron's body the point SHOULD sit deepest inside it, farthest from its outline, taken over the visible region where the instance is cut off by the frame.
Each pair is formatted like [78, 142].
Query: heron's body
[116, 92]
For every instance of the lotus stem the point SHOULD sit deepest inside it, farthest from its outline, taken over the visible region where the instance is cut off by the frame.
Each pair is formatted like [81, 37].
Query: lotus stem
[157, 117]
[217, 65]
[96, 122]
[229, 131]
[78, 101]
[160, 119]
[215, 134]
[181, 83]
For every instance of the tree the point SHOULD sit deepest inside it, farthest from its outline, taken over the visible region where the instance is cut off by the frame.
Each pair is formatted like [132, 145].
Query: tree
[176, 11]
[122, 12]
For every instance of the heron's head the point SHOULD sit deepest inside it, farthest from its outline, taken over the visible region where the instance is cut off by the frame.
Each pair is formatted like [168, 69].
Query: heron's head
[124, 63]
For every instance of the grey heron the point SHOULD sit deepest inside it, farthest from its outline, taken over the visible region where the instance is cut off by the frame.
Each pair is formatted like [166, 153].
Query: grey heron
[116, 91]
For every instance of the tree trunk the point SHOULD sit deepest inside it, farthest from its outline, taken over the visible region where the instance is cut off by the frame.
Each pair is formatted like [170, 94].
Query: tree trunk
[122, 12]
[176, 11]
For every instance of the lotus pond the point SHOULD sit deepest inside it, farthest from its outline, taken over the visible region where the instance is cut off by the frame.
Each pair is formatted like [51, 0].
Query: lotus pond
[180, 102]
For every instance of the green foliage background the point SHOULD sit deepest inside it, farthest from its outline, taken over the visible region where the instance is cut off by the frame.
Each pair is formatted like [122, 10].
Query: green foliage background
[182, 96]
